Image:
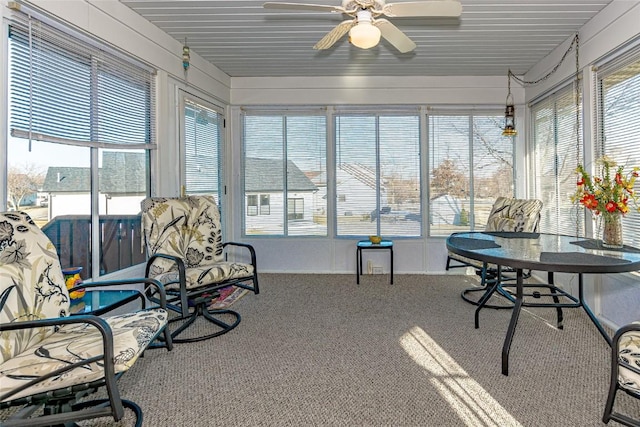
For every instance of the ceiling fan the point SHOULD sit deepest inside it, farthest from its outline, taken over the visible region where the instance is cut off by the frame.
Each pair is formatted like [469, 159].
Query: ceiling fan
[366, 28]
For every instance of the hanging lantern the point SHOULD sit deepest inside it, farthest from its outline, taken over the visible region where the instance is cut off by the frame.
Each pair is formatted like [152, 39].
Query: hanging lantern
[509, 112]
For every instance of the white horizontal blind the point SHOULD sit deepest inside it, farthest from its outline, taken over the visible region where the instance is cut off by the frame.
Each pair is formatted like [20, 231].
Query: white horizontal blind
[285, 175]
[203, 135]
[618, 123]
[556, 148]
[378, 183]
[470, 165]
[67, 90]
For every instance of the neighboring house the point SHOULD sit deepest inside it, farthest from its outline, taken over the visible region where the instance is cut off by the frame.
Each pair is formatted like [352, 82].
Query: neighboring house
[356, 190]
[121, 186]
[264, 191]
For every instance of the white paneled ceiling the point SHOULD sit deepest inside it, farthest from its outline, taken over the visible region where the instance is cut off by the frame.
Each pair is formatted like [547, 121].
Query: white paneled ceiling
[245, 40]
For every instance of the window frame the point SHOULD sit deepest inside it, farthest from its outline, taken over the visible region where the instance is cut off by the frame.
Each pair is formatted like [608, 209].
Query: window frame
[376, 113]
[108, 68]
[566, 136]
[276, 215]
[614, 144]
[473, 220]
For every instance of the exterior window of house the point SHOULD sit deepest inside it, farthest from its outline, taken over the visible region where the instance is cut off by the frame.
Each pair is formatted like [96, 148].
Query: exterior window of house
[378, 174]
[203, 136]
[618, 123]
[296, 208]
[264, 204]
[81, 128]
[285, 155]
[555, 161]
[252, 205]
[470, 165]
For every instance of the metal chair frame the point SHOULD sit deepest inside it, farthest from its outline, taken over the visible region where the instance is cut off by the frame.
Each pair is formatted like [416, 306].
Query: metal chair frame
[61, 407]
[614, 385]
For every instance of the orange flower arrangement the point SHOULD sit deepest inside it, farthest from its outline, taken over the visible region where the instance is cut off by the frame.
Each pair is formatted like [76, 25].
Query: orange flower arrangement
[610, 193]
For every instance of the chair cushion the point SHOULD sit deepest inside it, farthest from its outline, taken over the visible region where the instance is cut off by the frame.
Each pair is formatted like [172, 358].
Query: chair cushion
[509, 214]
[204, 275]
[132, 333]
[185, 227]
[629, 352]
[31, 282]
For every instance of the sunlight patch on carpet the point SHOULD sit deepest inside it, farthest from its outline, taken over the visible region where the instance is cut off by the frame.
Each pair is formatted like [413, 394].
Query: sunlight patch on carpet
[472, 403]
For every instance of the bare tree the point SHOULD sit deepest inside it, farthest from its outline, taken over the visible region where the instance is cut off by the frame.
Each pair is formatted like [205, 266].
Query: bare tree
[449, 179]
[23, 181]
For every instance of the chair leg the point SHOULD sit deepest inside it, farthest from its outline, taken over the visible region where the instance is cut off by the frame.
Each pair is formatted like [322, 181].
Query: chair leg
[200, 310]
[606, 417]
[489, 286]
[610, 414]
[137, 411]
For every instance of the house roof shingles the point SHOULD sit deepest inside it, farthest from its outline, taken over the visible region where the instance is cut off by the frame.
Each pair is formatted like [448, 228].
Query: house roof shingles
[265, 175]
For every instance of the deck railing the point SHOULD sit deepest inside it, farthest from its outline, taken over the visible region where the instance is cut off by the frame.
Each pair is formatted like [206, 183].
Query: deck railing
[120, 244]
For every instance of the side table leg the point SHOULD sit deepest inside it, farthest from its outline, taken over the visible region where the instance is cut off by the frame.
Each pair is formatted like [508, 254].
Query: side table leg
[391, 250]
[358, 265]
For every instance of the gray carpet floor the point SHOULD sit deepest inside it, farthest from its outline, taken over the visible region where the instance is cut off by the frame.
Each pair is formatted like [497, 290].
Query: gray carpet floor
[319, 350]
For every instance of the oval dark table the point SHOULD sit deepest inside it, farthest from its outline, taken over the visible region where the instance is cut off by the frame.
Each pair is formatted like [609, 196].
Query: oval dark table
[553, 253]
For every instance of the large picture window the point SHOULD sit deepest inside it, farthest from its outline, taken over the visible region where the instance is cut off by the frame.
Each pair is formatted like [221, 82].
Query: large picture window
[378, 174]
[470, 165]
[284, 162]
[555, 143]
[618, 123]
[81, 130]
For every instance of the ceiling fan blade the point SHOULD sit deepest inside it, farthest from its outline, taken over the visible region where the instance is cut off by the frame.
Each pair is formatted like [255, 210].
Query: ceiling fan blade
[394, 36]
[302, 6]
[445, 8]
[334, 35]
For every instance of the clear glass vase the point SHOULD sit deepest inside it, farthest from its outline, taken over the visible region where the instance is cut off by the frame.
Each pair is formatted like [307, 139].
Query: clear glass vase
[612, 230]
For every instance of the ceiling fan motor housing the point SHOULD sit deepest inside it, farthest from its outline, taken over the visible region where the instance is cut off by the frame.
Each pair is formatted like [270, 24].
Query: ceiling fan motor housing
[363, 4]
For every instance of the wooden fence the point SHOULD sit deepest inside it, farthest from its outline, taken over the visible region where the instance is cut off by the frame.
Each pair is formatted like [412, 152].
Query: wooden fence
[120, 244]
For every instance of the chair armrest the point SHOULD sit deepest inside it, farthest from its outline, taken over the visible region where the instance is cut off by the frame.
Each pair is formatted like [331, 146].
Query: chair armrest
[179, 262]
[246, 246]
[615, 344]
[147, 281]
[107, 344]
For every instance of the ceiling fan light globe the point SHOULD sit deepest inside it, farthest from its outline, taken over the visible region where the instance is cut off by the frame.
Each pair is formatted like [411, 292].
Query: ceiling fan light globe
[364, 35]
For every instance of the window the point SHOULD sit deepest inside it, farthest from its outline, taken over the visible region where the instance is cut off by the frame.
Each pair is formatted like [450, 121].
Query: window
[470, 165]
[81, 130]
[296, 209]
[203, 134]
[555, 144]
[618, 122]
[378, 174]
[264, 204]
[252, 205]
[285, 159]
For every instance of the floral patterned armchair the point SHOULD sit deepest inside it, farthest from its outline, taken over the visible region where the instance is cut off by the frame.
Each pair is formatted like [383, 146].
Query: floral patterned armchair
[625, 371]
[185, 252]
[49, 358]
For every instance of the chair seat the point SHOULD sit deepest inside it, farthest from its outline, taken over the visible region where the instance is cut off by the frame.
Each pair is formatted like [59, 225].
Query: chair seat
[206, 275]
[629, 352]
[132, 333]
